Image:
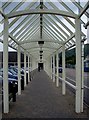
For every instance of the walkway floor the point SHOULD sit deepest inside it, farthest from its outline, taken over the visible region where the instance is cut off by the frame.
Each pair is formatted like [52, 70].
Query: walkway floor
[42, 99]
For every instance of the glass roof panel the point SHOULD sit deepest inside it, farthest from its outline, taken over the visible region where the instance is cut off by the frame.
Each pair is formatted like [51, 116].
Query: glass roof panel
[83, 29]
[10, 20]
[59, 24]
[33, 7]
[10, 7]
[26, 28]
[58, 5]
[47, 5]
[72, 20]
[23, 6]
[16, 23]
[71, 6]
[82, 2]
[84, 18]
[23, 24]
[66, 23]
[1, 25]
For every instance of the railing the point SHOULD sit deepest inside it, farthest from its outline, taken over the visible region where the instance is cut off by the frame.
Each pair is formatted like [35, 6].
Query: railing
[75, 82]
[68, 83]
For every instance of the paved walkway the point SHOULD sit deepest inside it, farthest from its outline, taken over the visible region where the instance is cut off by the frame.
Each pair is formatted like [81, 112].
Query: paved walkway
[42, 99]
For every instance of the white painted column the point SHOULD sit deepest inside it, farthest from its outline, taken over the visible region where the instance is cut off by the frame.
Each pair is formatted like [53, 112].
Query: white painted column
[24, 68]
[53, 68]
[88, 29]
[63, 70]
[5, 67]
[78, 65]
[82, 84]
[57, 62]
[28, 70]
[19, 73]
[30, 64]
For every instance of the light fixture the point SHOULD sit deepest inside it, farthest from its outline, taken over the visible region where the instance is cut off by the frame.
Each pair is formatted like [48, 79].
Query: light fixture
[41, 51]
[41, 43]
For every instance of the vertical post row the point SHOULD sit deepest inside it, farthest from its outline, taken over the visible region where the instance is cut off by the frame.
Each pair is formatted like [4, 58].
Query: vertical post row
[19, 72]
[63, 70]
[28, 70]
[78, 65]
[24, 68]
[5, 67]
[53, 68]
[57, 67]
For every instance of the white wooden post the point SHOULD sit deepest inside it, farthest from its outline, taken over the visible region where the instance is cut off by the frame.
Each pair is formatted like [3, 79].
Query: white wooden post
[53, 68]
[24, 68]
[78, 65]
[5, 67]
[88, 29]
[28, 70]
[19, 71]
[63, 70]
[82, 93]
[57, 67]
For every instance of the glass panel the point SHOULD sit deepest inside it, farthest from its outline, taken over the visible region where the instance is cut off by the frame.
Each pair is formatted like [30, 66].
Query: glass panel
[1, 25]
[61, 26]
[10, 20]
[83, 2]
[34, 6]
[23, 24]
[84, 18]
[72, 20]
[58, 5]
[71, 6]
[66, 23]
[84, 30]
[16, 23]
[47, 5]
[10, 7]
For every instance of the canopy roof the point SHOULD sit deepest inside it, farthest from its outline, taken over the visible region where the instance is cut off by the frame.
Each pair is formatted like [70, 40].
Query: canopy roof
[50, 21]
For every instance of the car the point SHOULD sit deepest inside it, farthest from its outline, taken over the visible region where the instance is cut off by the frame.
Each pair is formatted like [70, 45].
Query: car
[11, 83]
[14, 78]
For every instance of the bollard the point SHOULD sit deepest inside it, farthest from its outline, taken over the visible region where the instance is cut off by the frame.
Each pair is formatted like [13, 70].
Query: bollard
[26, 78]
[22, 84]
[14, 92]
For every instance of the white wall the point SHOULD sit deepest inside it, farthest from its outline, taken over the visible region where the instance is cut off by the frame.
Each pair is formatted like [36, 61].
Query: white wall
[34, 64]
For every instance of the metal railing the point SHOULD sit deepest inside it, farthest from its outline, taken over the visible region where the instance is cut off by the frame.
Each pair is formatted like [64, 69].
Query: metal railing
[75, 82]
[68, 83]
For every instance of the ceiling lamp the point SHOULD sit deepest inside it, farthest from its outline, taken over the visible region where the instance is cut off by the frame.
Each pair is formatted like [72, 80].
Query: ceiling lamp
[41, 43]
[41, 51]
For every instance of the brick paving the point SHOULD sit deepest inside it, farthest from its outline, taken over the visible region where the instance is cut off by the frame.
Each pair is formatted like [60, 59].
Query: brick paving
[42, 99]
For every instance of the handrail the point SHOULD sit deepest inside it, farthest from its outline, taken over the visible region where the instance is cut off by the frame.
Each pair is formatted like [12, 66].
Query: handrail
[74, 82]
[68, 83]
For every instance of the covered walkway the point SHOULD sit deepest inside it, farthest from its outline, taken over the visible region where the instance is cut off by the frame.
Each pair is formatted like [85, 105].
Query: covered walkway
[42, 30]
[42, 99]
